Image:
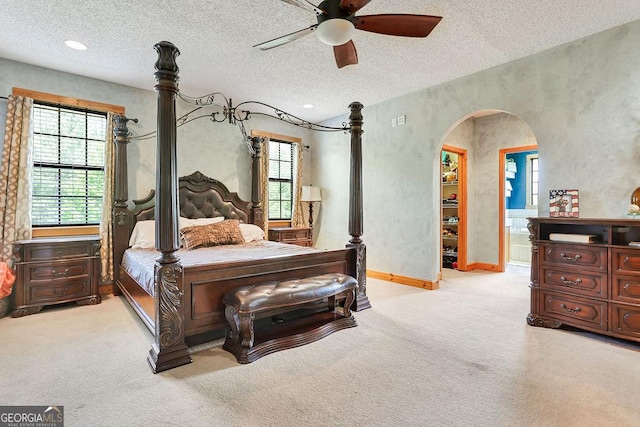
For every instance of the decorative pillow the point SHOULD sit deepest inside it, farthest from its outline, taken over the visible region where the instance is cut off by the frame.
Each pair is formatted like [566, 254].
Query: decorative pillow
[144, 235]
[186, 222]
[251, 232]
[226, 232]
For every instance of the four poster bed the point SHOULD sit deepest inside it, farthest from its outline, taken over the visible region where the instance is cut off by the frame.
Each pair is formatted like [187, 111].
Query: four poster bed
[179, 293]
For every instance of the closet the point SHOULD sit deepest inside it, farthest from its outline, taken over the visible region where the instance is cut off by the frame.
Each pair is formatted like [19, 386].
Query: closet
[453, 228]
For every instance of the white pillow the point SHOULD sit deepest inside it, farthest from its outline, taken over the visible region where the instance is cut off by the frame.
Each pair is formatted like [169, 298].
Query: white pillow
[144, 235]
[188, 222]
[251, 232]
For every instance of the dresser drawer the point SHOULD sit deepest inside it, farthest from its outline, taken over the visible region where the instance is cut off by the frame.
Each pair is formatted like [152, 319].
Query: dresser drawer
[59, 271]
[625, 288]
[59, 292]
[575, 311]
[47, 252]
[625, 261]
[583, 256]
[625, 320]
[575, 282]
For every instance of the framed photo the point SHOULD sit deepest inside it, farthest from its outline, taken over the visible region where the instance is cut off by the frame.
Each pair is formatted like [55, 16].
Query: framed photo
[563, 203]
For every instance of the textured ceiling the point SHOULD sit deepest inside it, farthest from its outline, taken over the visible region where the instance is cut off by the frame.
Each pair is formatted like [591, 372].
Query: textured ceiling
[216, 38]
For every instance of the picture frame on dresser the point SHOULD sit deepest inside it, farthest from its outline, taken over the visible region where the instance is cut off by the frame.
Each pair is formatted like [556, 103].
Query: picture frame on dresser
[564, 204]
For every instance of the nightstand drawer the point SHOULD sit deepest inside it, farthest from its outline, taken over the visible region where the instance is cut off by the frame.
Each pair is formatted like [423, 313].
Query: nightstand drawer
[576, 311]
[58, 271]
[57, 251]
[583, 256]
[577, 282]
[293, 236]
[70, 290]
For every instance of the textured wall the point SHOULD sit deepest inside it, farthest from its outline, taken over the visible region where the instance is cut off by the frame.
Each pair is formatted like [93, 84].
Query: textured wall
[580, 101]
[217, 150]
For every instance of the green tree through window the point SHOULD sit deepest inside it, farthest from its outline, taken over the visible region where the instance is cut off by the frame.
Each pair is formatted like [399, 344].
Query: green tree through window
[68, 165]
[280, 179]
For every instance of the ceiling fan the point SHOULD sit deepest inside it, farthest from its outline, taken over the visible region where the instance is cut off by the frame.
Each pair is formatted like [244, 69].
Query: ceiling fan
[337, 23]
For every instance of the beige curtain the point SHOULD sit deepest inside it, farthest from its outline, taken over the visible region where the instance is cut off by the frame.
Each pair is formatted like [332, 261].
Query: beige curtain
[16, 175]
[106, 226]
[297, 217]
[264, 182]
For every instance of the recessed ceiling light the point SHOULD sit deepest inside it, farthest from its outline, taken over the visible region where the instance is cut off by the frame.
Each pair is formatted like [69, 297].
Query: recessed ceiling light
[307, 106]
[75, 45]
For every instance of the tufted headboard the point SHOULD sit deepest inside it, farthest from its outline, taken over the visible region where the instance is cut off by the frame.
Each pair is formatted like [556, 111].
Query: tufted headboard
[199, 197]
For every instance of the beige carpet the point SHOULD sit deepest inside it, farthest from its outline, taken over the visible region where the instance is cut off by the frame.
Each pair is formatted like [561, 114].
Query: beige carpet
[459, 356]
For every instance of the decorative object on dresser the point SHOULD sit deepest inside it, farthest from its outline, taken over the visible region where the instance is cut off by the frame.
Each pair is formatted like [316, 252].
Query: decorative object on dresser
[310, 195]
[593, 285]
[563, 203]
[294, 236]
[54, 271]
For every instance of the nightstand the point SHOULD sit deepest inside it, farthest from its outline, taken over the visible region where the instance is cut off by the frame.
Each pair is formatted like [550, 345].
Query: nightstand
[295, 236]
[54, 271]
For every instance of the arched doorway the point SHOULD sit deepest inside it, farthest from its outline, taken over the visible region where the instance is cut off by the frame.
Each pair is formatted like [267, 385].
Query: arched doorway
[484, 134]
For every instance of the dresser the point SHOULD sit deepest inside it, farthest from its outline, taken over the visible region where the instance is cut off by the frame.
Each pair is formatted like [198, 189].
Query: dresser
[295, 236]
[592, 286]
[55, 270]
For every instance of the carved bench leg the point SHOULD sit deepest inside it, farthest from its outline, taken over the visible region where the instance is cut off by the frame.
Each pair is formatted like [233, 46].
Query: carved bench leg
[350, 297]
[246, 330]
[232, 318]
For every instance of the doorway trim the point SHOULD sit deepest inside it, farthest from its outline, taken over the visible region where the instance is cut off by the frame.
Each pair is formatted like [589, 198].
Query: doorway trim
[502, 262]
[462, 206]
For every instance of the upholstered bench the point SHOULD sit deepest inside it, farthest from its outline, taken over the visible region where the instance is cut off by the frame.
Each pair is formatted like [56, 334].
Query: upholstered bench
[248, 303]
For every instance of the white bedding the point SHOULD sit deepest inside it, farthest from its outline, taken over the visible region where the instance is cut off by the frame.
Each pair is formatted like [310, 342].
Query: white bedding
[139, 263]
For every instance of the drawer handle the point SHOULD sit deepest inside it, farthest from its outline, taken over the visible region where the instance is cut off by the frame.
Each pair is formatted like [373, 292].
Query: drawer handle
[569, 282]
[56, 273]
[626, 259]
[570, 310]
[62, 292]
[570, 258]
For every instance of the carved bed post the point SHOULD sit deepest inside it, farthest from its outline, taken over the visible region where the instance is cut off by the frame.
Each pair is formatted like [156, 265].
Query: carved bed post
[120, 217]
[257, 217]
[169, 349]
[355, 206]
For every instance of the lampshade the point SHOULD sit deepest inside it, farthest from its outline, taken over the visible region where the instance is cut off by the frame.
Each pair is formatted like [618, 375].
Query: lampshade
[336, 31]
[310, 194]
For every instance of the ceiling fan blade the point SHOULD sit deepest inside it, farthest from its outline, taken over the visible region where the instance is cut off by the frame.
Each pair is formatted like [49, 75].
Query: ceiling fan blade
[398, 24]
[286, 39]
[353, 6]
[306, 5]
[346, 54]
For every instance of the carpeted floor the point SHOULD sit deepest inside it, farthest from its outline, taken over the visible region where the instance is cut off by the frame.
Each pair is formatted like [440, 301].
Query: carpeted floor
[459, 356]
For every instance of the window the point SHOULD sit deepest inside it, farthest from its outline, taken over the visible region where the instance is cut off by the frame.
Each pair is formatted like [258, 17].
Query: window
[68, 165]
[280, 179]
[532, 181]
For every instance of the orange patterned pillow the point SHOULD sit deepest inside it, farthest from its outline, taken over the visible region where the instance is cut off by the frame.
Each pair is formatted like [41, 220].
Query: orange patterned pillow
[226, 232]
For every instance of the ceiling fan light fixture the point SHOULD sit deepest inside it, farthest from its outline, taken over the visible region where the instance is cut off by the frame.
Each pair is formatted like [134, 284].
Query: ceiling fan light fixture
[336, 31]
